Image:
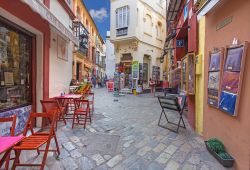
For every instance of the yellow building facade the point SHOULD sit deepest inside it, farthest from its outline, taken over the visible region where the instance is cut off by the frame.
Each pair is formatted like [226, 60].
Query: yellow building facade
[84, 58]
[199, 97]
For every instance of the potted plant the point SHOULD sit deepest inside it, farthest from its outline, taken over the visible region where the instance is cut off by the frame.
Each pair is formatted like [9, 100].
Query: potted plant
[217, 149]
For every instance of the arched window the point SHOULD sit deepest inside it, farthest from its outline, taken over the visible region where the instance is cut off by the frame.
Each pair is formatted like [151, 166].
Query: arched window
[78, 13]
[148, 24]
[158, 30]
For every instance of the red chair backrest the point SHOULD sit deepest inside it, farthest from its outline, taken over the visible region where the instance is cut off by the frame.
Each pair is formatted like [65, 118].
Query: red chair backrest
[10, 119]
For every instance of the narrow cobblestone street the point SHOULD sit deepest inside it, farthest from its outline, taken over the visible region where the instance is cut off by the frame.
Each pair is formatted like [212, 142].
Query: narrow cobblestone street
[124, 135]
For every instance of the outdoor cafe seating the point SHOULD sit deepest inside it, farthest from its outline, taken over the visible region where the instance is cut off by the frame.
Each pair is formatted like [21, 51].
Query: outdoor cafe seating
[56, 109]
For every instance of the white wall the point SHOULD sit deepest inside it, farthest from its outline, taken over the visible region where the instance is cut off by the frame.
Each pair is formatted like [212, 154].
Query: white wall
[110, 59]
[60, 71]
[60, 13]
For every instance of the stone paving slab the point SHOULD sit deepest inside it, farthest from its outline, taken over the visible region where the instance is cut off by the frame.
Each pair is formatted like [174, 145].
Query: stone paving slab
[125, 135]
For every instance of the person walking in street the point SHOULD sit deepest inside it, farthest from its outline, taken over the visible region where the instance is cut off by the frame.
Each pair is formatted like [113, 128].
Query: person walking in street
[151, 85]
[93, 79]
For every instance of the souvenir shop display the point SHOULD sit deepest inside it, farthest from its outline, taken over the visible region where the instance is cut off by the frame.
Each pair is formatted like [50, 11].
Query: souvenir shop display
[232, 77]
[15, 66]
[156, 73]
[175, 77]
[214, 76]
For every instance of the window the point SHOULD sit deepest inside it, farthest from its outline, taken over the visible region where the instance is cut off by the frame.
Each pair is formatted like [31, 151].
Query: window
[15, 66]
[78, 13]
[122, 20]
[148, 24]
[158, 30]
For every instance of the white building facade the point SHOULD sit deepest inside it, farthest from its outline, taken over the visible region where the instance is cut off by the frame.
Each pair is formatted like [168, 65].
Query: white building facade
[110, 57]
[137, 30]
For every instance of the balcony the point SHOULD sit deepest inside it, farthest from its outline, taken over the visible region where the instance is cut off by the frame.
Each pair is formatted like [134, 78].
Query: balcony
[121, 31]
[82, 34]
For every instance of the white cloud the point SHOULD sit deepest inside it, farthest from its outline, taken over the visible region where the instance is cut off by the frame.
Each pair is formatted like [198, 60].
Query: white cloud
[100, 14]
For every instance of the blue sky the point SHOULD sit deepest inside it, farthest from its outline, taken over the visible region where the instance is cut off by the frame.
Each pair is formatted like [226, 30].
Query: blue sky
[99, 10]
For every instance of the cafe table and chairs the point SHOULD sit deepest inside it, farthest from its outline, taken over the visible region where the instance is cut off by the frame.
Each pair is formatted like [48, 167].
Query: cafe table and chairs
[53, 105]
[67, 101]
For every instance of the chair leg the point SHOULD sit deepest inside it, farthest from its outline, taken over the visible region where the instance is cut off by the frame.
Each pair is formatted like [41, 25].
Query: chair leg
[7, 162]
[17, 159]
[89, 116]
[57, 146]
[160, 118]
[85, 121]
[45, 155]
[73, 120]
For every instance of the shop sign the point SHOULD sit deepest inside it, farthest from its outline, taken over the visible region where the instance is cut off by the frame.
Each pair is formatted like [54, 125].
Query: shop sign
[224, 23]
[42, 10]
[135, 69]
[180, 43]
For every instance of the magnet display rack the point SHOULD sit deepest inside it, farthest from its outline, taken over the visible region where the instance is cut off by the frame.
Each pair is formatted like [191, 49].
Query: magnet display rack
[232, 77]
[214, 76]
[188, 74]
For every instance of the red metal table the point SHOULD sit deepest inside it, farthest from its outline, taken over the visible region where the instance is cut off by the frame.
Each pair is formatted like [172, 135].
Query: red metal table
[6, 145]
[66, 100]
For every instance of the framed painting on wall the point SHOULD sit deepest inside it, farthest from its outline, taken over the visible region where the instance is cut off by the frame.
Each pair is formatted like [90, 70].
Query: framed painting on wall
[184, 84]
[214, 76]
[191, 74]
[9, 78]
[62, 48]
[232, 76]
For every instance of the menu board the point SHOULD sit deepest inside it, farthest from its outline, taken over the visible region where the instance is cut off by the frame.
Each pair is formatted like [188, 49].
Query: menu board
[214, 75]
[232, 77]
[156, 73]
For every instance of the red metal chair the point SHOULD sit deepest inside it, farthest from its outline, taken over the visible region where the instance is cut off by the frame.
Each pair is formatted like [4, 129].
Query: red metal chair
[12, 133]
[53, 106]
[37, 139]
[91, 98]
[82, 112]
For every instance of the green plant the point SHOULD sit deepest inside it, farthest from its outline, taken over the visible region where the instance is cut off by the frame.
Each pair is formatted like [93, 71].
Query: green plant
[224, 155]
[216, 145]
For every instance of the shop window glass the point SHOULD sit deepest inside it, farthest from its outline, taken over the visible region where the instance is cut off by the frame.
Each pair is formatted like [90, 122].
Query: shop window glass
[15, 66]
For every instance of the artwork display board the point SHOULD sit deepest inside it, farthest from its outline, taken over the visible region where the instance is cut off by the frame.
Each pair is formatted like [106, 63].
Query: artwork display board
[188, 74]
[175, 77]
[184, 85]
[214, 76]
[232, 77]
[191, 74]
[156, 73]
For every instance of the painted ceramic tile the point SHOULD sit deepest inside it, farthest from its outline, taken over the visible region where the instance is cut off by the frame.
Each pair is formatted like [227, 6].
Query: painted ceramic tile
[215, 62]
[213, 80]
[230, 81]
[22, 117]
[233, 59]
[227, 102]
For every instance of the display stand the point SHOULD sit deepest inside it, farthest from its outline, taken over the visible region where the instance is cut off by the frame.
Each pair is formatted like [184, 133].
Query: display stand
[214, 76]
[232, 76]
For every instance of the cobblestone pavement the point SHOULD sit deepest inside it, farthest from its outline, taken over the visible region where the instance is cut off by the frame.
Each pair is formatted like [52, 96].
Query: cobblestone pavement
[124, 135]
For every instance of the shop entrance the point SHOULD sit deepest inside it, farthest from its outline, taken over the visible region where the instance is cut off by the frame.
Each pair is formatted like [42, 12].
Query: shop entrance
[78, 71]
[126, 64]
[128, 74]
